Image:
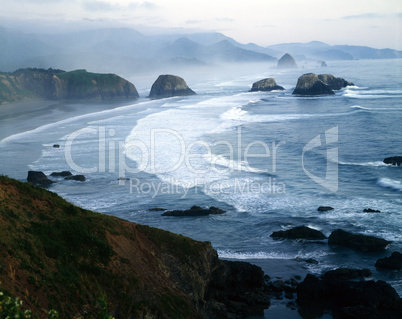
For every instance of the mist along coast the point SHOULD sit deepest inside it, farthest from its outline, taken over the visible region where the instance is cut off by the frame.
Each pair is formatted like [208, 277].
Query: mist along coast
[292, 183]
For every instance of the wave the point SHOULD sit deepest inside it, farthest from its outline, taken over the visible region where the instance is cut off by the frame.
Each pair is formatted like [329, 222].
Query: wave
[69, 120]
[225, 253]
[374, 164]
[390, 183]
[361, 93]
[375, 108]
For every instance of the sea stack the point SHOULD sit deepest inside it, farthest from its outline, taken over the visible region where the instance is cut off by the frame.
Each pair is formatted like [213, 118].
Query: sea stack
[334, 82]
[169, 85]
[287, 62]
[266, 85]
[310, 84]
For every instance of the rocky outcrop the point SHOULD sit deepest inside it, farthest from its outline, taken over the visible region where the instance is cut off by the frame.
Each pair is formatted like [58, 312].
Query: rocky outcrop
[370, 210]
[333, 82]
[324, 208]
[301, 232]
[79, 178]
[38, 178]
[394, 160]
[169, 85]
[195, 211]
[310, 84]
[323, 64]
[266, 85]
[61, 174]
[393, 262]
[60, 85]
[287, 62]
[357, 241]
[349, 299]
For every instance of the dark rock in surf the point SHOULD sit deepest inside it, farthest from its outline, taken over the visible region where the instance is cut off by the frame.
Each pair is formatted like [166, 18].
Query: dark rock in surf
[301, 232]
[56, 145]
[333, 82]
[349, 299]
[195, 211]
[169, 85]
[266, 85]
[79, 178]
[310, 84]
[61, 174]
[38, 178]
[394, 160]
[346, 274]
[369, 210]
[357, 241]
[240, 286]
[157, 209]
[393, 262]
[287, 62]
[324, 208]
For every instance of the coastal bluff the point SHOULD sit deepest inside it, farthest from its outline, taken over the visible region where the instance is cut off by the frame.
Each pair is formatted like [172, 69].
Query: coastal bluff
[61, 85]
[88, 265]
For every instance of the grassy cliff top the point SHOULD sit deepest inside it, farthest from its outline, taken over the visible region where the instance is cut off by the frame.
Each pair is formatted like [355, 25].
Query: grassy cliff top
[54, 255]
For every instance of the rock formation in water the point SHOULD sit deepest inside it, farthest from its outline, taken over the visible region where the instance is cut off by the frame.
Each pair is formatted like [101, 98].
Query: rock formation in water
[61, 85]
[334, 82]
[266, 85]
[300, 232]
[310, 84]
[394, 160]
[169, 85]
[357, 241]
[287, 62]
[195, 211]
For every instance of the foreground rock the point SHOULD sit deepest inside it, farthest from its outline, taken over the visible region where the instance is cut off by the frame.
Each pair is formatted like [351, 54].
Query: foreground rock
[38, 178]
[310, 84]
[141, 271]
[394, 262]
[349, 299]
[301, 232]
[287, 62]
[169, 85]
[266, 85]
[195, 211]
[357, 241]
[394, 160]
[333, 82]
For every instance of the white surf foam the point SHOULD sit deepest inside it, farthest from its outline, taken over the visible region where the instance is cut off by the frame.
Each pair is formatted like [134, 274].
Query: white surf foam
[390, 183]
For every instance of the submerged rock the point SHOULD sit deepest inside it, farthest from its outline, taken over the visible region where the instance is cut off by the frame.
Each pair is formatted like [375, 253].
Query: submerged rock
[310, 84]
[266, 85]
[287, 62]
[369, 210]
[346, 274]
[324, 208]
[195, 211]
[300, 232]
[38, 178]
[169, 85]
[393, 262]
[394, 160]
[357, 241]
[333, 82]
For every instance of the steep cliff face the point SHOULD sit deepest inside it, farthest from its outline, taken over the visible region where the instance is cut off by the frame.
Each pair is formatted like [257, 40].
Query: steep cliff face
[57, 84]
[59, 256]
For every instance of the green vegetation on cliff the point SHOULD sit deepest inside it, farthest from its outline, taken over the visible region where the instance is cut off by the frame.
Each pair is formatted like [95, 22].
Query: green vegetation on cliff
[58, 84]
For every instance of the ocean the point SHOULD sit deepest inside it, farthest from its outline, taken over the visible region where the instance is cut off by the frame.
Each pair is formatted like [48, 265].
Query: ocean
[270, 159]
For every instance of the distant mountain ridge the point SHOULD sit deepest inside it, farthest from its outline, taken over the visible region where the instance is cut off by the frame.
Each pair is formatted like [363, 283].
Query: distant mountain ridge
[119, 50]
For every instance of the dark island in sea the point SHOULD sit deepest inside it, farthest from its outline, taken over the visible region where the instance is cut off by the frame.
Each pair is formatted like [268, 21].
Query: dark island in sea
[168, 85]
[322, 84]
[61, 85]
[268, 85]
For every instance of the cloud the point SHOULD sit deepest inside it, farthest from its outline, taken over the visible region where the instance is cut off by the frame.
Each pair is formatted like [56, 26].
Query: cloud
[96, 5]
[373, 15]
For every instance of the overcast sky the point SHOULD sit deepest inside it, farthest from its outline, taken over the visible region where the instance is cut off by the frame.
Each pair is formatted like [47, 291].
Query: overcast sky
[357, 22]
